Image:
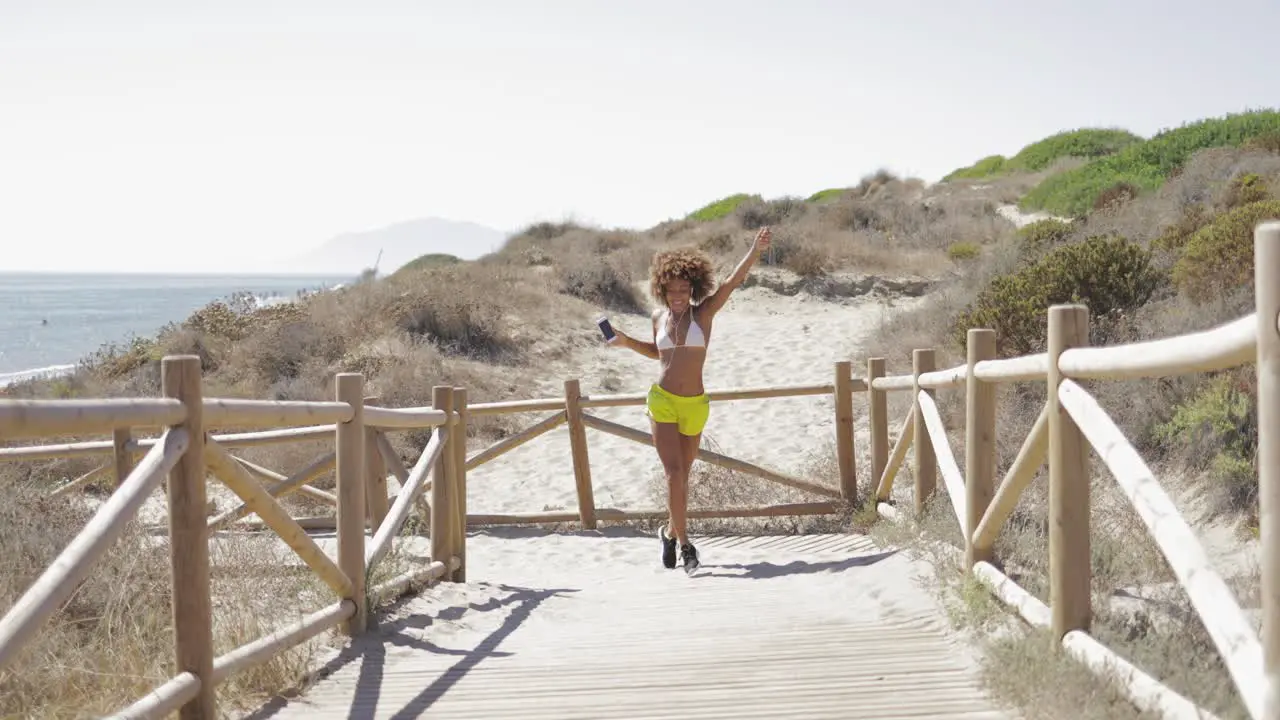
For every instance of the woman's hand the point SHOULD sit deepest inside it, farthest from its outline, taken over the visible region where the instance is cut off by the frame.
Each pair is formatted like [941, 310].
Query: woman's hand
[619, 339]
[762, 240]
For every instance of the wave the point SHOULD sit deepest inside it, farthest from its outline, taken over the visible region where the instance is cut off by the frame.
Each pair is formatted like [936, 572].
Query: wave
[44, 373]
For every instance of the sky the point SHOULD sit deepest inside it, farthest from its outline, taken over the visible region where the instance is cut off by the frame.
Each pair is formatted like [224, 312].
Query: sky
[249, 131]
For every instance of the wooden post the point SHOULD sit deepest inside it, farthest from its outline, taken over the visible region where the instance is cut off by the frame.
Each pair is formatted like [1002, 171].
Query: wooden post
[979, 442]
[844, 431]
[1266, 243]
[351, 495]
[878, 419]
[441, 476]
[926, 463]
[189, 541]
[375, 481]
[1069, 552]
[120, 439]
[460, 484]
[578, 446]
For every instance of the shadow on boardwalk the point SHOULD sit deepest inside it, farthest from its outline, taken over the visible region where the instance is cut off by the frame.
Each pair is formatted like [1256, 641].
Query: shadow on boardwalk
[767, 570]
[371, 650]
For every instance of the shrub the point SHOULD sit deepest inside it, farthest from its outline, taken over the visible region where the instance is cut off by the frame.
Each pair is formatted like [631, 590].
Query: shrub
[799, 253]
[722, 208]
[1083, 143]
[1267, 142]
[1244, 189]
[1219, 256]
[1043, 234]
[828, 194]
[754, 213]
[601, 282]
[986, 167]
[1147, 164]
[1115, 196]
[1107, 274]
[1175, 236]
[429, 260]
[963, 250]
[455, 321]
[1217, 429]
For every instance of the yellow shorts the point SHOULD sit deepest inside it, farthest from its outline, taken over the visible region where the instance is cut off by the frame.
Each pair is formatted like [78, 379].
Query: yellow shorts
[688, 413]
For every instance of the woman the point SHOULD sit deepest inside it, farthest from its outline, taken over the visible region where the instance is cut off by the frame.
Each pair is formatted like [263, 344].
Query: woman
[683, 282]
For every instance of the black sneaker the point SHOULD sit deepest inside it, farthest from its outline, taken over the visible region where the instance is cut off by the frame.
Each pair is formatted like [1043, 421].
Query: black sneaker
[689, 557]
[668, 548]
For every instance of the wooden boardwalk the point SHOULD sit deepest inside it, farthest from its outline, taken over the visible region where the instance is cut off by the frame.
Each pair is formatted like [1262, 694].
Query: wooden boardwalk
[589, 625]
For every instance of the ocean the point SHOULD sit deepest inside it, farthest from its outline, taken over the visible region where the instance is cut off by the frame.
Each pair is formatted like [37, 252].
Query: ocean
[49, 322]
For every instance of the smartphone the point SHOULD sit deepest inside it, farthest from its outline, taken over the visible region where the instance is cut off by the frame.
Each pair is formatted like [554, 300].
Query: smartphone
[605, 327]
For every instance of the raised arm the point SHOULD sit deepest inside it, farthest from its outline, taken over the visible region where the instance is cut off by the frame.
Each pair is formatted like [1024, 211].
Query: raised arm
[717, 299]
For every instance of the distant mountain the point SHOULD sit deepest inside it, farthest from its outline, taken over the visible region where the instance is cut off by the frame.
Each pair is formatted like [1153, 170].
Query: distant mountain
[399, 244]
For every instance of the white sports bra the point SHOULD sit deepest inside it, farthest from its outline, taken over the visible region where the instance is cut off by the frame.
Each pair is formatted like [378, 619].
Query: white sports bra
[693, 338]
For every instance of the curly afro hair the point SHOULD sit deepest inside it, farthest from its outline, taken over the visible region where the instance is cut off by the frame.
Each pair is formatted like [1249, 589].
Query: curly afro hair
[682, 264]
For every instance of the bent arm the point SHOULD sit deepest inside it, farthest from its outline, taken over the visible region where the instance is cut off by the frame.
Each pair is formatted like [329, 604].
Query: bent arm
[647, 349]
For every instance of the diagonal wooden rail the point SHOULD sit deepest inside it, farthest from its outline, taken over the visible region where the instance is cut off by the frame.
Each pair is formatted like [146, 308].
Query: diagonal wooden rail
[193, 442]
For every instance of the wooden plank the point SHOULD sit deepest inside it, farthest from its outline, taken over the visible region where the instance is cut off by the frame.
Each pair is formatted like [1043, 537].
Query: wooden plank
[44, 418]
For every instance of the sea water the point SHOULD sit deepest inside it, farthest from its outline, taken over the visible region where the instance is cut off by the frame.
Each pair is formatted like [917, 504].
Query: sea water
[49, 322]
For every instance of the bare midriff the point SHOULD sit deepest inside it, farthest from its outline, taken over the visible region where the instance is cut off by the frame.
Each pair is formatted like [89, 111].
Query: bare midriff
[682, 365]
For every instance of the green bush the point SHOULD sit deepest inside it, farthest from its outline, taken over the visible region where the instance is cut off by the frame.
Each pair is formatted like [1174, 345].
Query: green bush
[1105, 273]
[828, 194]
[1217, 429]
[963, 250]
[1083, 143]
[1219, 256]
[986, 167]
[1043, 235]
[428, 261]
[1245, 189]
[1147, 164]
[722, 207]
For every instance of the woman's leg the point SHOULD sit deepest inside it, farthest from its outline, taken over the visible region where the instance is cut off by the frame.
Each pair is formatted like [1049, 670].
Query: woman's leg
[667, 440]
[690, 444]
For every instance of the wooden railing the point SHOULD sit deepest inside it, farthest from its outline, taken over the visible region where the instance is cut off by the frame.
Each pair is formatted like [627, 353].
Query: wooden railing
[188, 449]
[1070, 423]
[186, 452]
